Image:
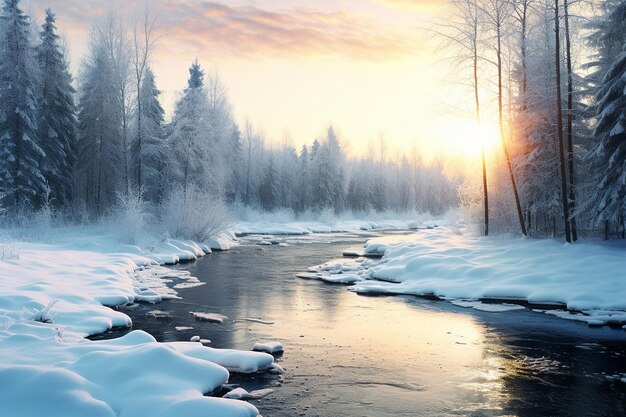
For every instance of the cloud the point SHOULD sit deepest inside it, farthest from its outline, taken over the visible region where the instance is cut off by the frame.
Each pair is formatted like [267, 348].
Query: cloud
[247, 31]
[224, 30]
[425, 5]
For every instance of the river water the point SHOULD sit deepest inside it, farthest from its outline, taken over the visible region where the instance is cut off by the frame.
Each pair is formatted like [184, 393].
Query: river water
[350, 355]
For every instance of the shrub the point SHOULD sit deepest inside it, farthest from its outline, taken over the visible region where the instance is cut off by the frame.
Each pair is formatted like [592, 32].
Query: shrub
[194, 214]
[130, 215]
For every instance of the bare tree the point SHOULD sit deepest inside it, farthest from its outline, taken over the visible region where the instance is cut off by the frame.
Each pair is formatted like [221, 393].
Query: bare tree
[248, 137]
[115, 40]
[144, 40]
[465, 33]
[559, 116]
[498, 13]
[570, 120]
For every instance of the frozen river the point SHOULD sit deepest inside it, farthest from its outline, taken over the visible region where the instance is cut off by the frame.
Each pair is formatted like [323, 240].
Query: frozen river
[349, 355]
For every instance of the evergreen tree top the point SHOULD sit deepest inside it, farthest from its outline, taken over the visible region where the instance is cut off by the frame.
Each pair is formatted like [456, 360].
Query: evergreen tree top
[48, 26]
[196, 76]
[149, 82]
[11, 10]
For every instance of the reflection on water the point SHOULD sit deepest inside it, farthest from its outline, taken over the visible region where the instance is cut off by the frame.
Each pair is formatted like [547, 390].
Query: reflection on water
[348, 355]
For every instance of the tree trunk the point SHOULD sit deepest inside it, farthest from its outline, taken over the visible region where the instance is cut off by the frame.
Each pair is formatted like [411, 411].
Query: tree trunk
[139, 133]
[570, 122]
[559, 116]
[518, 205]
[478, 121]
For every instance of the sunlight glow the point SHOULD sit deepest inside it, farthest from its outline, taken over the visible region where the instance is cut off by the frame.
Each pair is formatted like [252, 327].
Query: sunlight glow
[466, 138]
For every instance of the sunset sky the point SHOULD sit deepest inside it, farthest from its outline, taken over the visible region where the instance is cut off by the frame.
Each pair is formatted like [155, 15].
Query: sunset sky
[369, 67]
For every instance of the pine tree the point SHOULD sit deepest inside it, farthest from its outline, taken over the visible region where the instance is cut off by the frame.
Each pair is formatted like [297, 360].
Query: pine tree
[235, 187]
[286, 165]
[100, 147]
[608, 156]
[303, 180]
[190, 133]
[21, 176]
[268, 192]
[154, 154]
[327, 180]
[57, 113]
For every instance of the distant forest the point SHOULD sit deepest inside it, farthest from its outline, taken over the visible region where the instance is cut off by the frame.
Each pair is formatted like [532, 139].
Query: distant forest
[80, 147]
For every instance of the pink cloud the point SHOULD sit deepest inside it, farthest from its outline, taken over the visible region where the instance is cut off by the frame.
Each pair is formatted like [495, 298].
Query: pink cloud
[247, 31]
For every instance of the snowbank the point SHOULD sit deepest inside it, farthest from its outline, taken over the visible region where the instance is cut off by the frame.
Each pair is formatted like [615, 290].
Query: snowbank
[50, 369]
[267, 225]
[448, 263]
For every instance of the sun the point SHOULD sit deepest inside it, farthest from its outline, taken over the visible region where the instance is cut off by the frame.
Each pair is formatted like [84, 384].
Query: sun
[465, 137]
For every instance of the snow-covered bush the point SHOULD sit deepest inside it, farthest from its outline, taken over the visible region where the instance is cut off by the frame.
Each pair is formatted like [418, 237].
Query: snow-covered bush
[130, 215]
[8, 250]
[45, 217]
[194, 214]
[43, 315]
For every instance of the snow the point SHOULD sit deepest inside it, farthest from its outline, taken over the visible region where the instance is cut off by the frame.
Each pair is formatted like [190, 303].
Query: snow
[480, 306]
[450, 263]
[212, 317]
[242, 394]
[269, 347]
[289, 226]
[67, 284]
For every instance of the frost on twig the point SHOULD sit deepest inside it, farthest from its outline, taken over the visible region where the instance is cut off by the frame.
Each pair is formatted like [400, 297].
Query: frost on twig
[43, 315]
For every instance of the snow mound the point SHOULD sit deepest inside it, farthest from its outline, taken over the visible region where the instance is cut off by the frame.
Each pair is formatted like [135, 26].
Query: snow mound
[269, 347]
[210, 317]
[492, 308]
[242, 394]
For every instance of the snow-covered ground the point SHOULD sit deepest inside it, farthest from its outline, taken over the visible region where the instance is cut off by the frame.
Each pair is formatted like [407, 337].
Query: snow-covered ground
[584, 281]
[55, 287]
[54, 294]
[288, 225]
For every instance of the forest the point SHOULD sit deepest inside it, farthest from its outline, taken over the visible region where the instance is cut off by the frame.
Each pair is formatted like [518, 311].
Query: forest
[82, 147]
[79, 147]
[554, 72]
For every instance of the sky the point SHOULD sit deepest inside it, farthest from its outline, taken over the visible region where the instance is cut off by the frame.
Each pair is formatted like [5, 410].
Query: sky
[292, 67]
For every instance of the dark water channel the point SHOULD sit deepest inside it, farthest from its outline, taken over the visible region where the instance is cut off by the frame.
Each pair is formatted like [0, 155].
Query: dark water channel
[349, 355]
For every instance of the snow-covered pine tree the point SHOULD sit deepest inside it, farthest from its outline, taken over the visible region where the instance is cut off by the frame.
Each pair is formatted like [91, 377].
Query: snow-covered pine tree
[268, 190]
[287, 164]
[235, 185]
[154, 152]
[57, 113]
[302, 181]
[190, 130]
[359, 186]
[100, 147]
[327, 173]
[21, 179]
[607, 157]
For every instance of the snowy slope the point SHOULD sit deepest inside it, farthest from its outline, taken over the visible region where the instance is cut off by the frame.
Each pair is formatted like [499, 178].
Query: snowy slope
[50, 369]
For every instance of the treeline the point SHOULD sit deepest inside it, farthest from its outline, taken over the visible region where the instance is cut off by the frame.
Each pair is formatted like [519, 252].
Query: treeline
[86, 150]
[556, 69]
